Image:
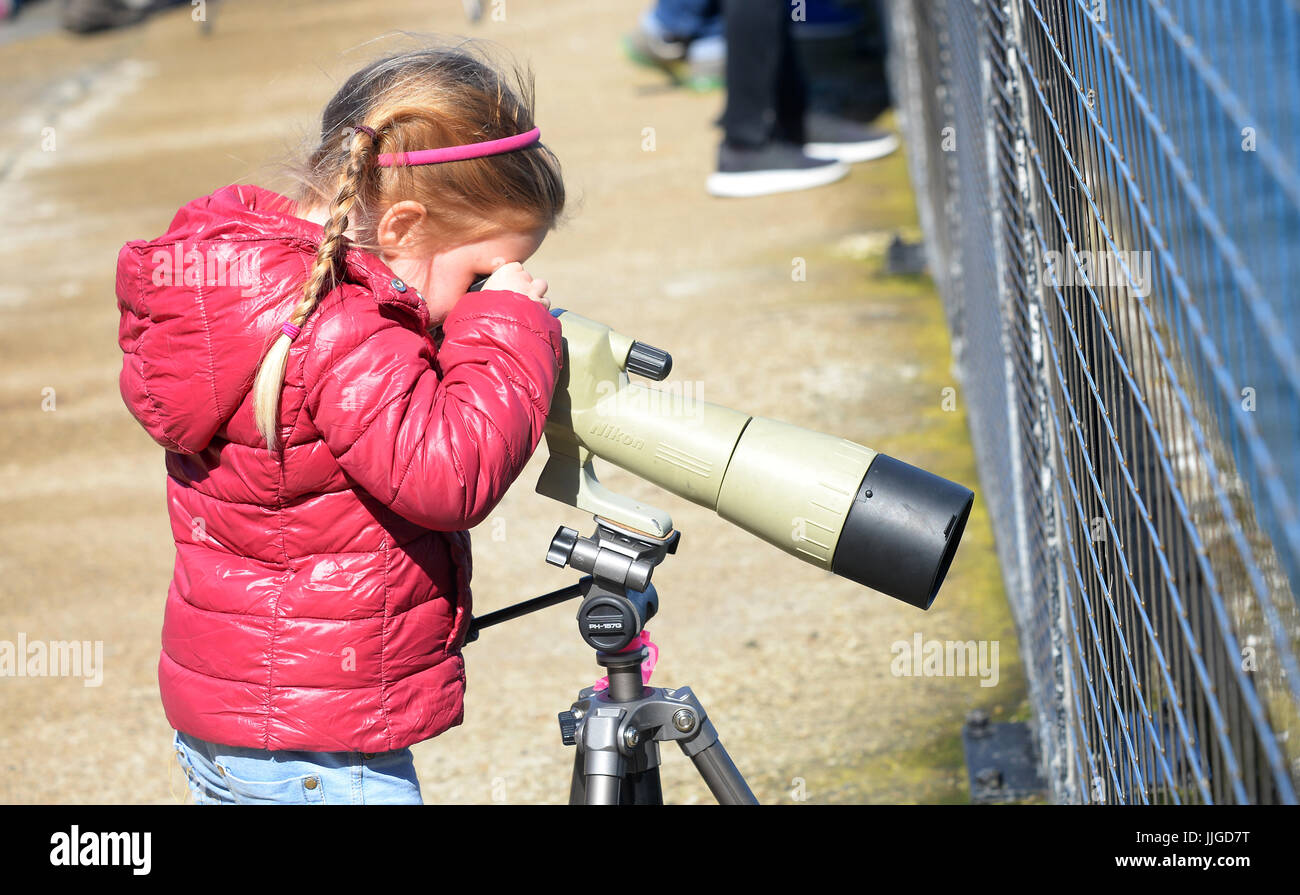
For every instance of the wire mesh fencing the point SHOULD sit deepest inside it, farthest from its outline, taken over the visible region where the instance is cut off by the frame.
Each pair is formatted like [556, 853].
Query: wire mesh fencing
[1110, 191]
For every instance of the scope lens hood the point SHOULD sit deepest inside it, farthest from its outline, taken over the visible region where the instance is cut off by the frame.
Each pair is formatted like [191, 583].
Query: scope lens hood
[902, 531]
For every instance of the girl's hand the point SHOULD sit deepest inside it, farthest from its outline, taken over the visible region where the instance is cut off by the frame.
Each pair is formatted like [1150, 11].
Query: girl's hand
[514, 278]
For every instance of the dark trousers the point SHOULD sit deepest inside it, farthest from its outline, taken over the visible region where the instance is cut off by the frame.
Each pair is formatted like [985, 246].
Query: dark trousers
[766, 92]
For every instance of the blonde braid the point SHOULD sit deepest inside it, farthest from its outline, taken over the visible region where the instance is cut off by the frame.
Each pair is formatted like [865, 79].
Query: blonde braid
[329, 258]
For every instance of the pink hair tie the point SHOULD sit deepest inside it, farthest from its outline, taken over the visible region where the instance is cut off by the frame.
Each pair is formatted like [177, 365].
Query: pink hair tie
[364, 130]
[647, 667]
[459, 153]
[290, 330]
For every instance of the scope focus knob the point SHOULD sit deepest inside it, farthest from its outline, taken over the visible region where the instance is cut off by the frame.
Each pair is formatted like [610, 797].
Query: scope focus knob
[562, 546]
[649, 361]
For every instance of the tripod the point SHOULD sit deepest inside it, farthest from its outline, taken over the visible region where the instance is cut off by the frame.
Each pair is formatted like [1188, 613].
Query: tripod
[617, 730]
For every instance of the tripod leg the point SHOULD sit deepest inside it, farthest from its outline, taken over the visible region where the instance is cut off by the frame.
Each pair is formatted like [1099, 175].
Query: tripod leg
[586, 788]
[599, 762]
[578, 782]
[643, 789]
[724, 781]
[632, 788]
[602, 790]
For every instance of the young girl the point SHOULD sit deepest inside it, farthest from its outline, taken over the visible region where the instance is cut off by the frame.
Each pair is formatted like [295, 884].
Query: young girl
[337, 408]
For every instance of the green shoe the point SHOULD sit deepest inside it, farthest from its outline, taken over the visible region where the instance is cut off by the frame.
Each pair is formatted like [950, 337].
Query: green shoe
[673, 59]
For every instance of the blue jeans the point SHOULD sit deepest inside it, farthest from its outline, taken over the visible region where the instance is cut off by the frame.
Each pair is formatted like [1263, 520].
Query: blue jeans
[234, 775]
[688, 19]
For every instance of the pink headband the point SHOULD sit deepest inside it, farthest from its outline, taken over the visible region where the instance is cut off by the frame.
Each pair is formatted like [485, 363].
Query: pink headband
[433, 157]
[456, 153]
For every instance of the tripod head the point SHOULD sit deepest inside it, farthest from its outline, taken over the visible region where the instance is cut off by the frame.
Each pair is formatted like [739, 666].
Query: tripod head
[618, 597]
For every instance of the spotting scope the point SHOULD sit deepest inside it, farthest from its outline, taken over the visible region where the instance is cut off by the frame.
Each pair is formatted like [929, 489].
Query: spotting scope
[830, 502]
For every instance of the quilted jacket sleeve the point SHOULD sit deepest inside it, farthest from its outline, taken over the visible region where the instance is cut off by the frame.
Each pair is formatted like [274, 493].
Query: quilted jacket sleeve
[437, 439]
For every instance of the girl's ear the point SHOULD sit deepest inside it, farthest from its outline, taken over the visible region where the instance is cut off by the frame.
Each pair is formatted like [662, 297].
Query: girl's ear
[401, 226]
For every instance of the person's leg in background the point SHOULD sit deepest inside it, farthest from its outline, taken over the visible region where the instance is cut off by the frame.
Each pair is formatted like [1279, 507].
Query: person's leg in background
[685, 20]
[773, 142]
[683, 33]
[762, 147]
[691, 33]
[87, 16]
[766, 93]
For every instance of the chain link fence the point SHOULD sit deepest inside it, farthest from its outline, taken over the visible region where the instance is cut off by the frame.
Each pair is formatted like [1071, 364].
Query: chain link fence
[1111, 200]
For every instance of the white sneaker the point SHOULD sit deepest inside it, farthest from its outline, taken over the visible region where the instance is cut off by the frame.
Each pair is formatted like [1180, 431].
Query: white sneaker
[773, 168]
[842, 140]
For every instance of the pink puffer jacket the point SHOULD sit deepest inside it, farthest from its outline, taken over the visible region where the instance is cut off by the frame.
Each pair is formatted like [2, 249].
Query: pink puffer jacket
[321, 593]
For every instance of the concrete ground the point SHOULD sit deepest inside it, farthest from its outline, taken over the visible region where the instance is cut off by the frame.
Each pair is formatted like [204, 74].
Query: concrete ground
[109, 135]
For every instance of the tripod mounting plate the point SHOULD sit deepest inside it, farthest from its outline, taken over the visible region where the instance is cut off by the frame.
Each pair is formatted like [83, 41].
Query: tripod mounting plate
[617, 558]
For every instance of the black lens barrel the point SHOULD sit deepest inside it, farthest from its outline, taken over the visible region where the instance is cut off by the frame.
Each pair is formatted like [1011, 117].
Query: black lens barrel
[902, 531]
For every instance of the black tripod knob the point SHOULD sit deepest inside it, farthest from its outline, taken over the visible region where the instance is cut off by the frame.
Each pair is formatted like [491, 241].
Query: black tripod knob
[562, 547]
[569, 728]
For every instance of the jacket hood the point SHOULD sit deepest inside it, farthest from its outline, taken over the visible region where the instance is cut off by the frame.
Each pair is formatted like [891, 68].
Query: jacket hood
[201, 304]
